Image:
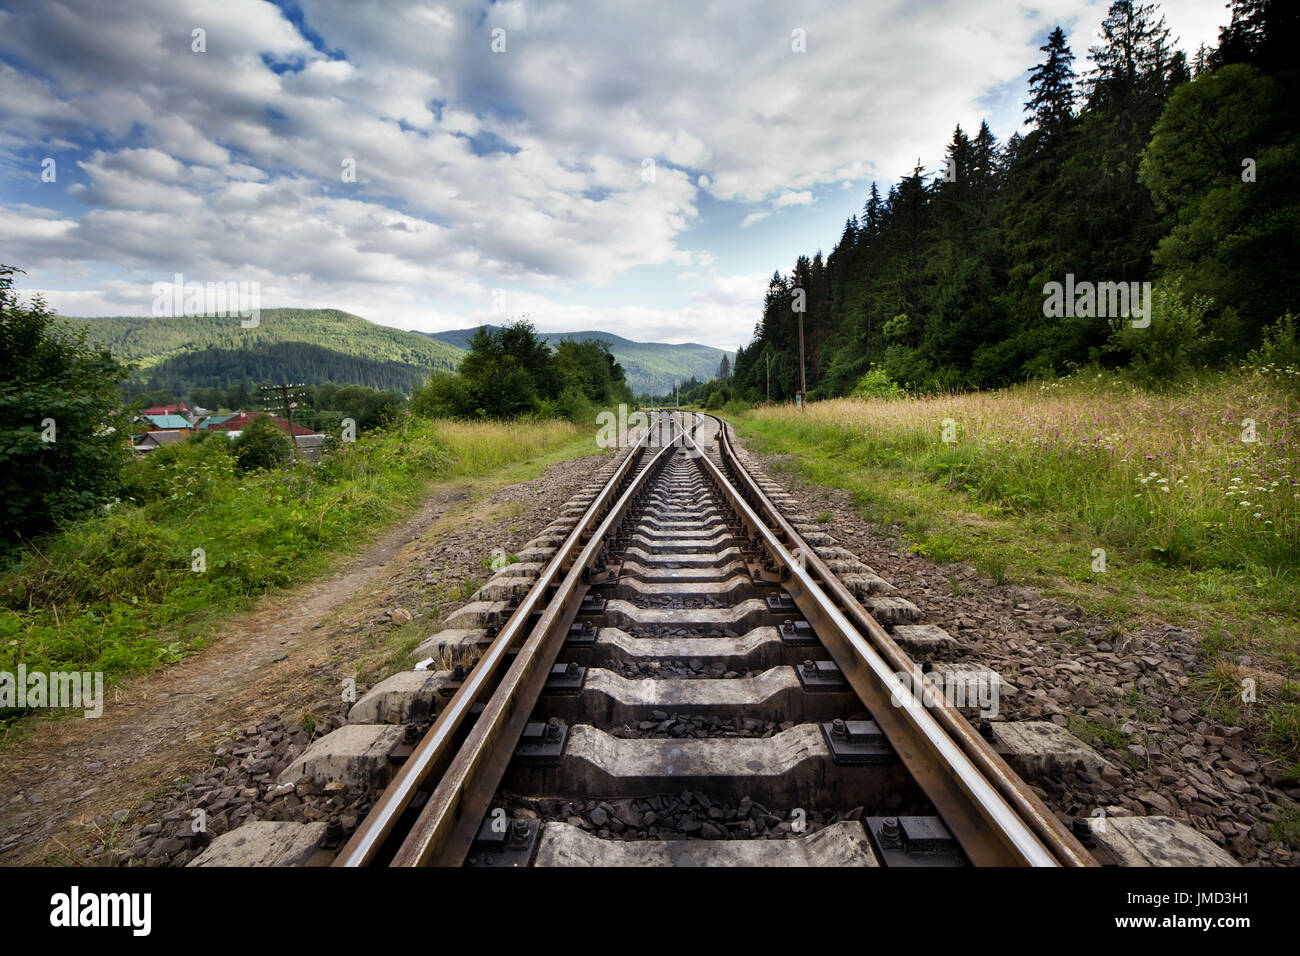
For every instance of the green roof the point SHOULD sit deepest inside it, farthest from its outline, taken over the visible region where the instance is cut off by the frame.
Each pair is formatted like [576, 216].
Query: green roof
[169, 421]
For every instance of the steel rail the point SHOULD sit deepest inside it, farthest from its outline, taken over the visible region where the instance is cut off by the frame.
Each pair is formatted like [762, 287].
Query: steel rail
[446, 826]
[435, 751]
[990, 794]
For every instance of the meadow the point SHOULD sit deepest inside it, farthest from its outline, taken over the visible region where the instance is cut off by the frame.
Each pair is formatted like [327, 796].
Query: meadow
[142, 583]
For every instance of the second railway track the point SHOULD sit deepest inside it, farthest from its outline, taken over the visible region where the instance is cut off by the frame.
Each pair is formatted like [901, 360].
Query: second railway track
[688, 682]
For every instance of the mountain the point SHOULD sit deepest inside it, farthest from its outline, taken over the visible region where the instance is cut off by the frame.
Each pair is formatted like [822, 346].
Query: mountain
[312, 346]
[650, 366]
[288, 345]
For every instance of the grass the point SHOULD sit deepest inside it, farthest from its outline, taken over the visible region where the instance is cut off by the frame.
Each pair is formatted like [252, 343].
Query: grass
[1199, 525]
[1286, 829]
[125, 592]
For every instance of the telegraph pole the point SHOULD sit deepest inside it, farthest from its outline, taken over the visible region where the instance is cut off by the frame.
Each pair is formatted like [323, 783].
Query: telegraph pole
[767, 357]
[676, 398]
[289, 396]
[798, 303]
[803, 384]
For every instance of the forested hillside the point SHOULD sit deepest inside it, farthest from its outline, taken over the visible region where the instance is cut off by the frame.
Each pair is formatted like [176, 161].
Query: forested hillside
[1139, 166]
[651, 367]
[307, 345]
[279, 362]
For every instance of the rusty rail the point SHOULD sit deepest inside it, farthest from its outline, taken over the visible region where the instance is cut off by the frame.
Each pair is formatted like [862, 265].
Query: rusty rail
[995, 816]
[448, 744]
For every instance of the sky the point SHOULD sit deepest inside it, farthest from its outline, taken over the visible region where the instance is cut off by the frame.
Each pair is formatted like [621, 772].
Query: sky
[639, 168]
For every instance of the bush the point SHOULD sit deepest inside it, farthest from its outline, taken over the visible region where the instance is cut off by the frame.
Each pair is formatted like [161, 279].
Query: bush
[737, 406]
[190, 470]
[876, 384]
[261, 445]
[715, 400]
[1279, 353]
[574, 406]
[1175, 342]
[444, 395]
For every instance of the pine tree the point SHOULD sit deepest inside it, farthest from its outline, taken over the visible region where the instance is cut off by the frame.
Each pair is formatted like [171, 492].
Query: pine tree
[1051, 86]
[1133, 59]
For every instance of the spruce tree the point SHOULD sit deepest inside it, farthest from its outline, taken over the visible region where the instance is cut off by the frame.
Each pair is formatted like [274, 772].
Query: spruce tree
[1051, 86]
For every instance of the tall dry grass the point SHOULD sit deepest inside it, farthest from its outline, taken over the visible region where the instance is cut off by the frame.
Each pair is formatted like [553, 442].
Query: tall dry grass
[1176, 476]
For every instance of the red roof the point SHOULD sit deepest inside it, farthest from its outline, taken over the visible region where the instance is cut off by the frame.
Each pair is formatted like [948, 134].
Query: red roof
[241, 420]
[166, 409]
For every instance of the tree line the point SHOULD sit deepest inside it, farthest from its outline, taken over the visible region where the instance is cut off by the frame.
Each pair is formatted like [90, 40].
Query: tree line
[1144, 168]
[511, 371]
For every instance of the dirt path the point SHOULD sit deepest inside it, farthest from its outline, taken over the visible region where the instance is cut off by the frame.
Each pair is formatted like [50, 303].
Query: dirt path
[72, 783]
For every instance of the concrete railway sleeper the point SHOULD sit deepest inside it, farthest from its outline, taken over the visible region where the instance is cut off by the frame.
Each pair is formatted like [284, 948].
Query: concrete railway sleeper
[685, 671]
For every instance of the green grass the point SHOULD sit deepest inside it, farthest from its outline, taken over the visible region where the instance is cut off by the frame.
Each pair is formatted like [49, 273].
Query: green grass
[1286, 829]
[1041, 477]
[118, 593]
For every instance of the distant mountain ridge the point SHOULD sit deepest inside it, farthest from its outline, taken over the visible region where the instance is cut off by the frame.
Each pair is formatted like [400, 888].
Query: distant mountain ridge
[651, 367]
[318, 345]
[288, 345]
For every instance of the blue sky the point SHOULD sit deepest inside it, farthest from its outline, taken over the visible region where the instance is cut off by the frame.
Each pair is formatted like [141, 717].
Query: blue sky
[502, 150]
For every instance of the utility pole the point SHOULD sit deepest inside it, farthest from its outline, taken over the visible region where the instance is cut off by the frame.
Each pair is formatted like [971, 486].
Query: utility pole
[767, 357]
[676, 398]
[803, 384]
[798, 304]
[289, 397]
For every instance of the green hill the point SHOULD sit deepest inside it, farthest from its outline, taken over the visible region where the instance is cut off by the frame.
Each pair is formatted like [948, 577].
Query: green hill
[650, 366]
[319, 345]
[299, 345]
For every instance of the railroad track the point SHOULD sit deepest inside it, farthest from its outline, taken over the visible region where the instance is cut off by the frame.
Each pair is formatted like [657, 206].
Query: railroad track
[688, 681]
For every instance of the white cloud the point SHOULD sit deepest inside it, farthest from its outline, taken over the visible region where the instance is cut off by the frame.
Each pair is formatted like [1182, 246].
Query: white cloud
[474, 170]
[787, 198]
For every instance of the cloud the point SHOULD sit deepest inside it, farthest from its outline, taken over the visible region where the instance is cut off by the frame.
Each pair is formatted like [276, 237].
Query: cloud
[474, 169]
[787, 198]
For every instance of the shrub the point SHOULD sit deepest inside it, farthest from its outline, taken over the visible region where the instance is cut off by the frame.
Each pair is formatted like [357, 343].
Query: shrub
[1174, 343]
[261, 444]
[876, 384]
[444, 395]
[1279, 353]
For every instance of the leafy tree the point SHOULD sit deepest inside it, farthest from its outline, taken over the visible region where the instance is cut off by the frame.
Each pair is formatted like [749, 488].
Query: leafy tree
[444, 395]
[1234, 241]
[512, 371]
[63, 435]
[261, 444]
